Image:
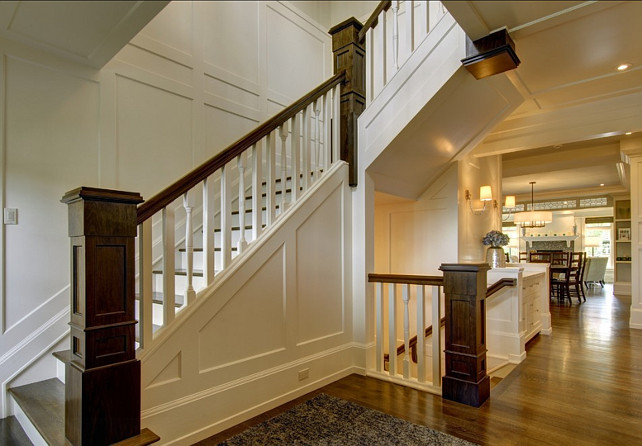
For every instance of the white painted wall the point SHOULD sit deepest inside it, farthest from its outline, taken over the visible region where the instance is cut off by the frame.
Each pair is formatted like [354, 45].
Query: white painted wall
[416, 237]
[473, 173]
[198, 77]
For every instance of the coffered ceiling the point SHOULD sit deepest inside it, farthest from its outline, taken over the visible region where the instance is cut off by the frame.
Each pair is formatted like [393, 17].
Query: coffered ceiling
[577, 106]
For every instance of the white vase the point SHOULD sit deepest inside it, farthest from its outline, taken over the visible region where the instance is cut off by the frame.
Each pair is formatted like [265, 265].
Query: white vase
[496, 257]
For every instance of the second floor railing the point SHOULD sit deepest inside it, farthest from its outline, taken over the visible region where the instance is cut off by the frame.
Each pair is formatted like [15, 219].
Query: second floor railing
[391, 34]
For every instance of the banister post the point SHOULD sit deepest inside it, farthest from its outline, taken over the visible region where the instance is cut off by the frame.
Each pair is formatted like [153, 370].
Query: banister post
[465, 380]
[350, 55]
[102, 388]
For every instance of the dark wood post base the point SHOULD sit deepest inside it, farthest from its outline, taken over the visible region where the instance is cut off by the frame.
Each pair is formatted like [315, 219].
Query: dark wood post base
[465, 380]
[102, 389]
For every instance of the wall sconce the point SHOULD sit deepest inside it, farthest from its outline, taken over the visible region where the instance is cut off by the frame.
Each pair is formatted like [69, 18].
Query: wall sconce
[485, 195]
[509, 203]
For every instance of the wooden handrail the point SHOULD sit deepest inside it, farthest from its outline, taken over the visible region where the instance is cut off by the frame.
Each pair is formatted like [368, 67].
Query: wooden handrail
[409, 279]
[374, 18]
[501, 283]
[178, 188]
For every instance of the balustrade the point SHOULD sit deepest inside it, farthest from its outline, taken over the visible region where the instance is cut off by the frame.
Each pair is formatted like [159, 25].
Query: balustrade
[228, 202]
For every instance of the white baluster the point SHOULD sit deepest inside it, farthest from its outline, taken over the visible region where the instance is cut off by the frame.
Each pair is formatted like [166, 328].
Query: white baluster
[370, 59]
[145, 279]
[316, 161]
[242, 243]
[392, 329]
[327, 129]
[208, 230]
[226, 218]
[406, 330]
[336, 124]
[257, 190]
[284, 133]
[379, 310]
[169, 265]
[381, 59]
[410, 26]
[395, 35]
[305, 153]
[436, 336]
[190, 294]
[424, 19]
[295, 183]
[421, 334]
[270, 180]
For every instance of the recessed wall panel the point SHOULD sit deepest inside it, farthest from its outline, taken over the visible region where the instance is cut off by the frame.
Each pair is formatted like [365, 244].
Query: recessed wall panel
[319, 274]
[154, 136]
[231, 36]
[252, 322]
[224, 127]
[287, 45]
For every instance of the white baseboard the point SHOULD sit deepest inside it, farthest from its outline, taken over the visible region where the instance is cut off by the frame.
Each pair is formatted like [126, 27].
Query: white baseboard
[635, 321]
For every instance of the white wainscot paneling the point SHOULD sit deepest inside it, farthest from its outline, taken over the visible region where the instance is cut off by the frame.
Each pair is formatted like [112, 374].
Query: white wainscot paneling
[254, 318]
[287, 46]
[51, 147]
[172, 27]
[224, 128]
[231, 37]
[154, 136]
[320, 273]
[242, 99]
[156, 63]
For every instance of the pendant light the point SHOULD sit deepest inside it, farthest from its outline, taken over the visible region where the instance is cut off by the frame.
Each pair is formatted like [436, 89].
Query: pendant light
[533, 218]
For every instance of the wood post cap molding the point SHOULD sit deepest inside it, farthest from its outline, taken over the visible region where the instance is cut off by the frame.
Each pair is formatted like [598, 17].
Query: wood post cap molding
[464, 267]
[96, 194]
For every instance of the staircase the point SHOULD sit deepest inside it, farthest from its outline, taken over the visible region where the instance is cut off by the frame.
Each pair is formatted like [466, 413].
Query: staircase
[220, 262]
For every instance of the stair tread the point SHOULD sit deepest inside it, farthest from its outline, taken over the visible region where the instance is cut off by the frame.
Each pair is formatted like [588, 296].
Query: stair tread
[11, 433]
[43, 403]
[63, 356]
[157, 296]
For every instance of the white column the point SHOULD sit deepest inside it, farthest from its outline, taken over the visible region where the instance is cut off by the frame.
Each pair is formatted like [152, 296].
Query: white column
[632, 148]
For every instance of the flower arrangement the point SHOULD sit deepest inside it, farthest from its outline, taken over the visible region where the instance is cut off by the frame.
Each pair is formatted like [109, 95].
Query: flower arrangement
[496, 239]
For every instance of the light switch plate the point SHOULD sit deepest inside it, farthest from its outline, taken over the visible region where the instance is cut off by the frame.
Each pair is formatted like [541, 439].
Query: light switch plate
[10, 216]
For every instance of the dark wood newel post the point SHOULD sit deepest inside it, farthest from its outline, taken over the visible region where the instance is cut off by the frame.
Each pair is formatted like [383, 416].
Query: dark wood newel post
[465, 380]
[102, 389]
[350, 55]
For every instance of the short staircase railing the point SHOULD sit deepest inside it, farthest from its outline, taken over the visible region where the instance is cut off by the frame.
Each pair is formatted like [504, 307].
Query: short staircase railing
[457, 302]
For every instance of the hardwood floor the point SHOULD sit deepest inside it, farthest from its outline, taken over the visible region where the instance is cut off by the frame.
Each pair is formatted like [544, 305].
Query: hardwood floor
[582, 386]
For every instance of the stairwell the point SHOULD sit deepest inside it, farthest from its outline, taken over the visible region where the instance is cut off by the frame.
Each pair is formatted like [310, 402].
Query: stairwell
[264, 282]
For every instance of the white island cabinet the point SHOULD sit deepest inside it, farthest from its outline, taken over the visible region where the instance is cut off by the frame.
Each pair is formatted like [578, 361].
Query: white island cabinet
[514, 315]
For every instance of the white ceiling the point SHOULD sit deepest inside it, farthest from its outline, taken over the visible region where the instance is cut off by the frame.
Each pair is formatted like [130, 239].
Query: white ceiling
[87, 32]
[577, 106]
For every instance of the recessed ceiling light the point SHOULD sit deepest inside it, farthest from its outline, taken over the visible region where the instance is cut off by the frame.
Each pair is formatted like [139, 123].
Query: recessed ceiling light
[624, 66]
[628, 133]
[601, 184]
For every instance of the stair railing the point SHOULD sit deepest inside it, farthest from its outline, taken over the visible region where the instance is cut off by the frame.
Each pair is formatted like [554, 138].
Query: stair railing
[455, 301]
[284, 156]
[388, 49]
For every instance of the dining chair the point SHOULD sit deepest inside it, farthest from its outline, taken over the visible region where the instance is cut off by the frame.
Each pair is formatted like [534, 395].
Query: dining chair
[523, 256]
[561, 265]
[576, 279]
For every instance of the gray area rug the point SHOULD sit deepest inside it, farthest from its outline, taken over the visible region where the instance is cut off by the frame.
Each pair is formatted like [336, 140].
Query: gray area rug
[326, 420]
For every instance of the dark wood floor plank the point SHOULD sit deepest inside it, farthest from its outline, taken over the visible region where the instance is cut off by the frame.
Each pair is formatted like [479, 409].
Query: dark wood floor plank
[582, 386]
